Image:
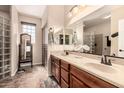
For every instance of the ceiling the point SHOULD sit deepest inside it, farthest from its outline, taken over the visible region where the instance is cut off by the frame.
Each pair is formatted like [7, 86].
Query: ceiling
[32, 10]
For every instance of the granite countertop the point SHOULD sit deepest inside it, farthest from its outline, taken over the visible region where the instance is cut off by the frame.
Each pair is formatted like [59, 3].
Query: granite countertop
[112, 74]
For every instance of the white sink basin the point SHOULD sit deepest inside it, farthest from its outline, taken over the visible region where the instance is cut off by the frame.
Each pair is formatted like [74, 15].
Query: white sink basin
[75, 56]
[101, 67]
[72, 56]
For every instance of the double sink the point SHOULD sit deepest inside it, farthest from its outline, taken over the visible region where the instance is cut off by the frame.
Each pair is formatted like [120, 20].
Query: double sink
[94, 64]
[101, 67]
[112, 74]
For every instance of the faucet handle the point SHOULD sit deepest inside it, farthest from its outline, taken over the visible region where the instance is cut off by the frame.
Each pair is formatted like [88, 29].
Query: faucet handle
[109, 62]
[105, 59]
[102, 61]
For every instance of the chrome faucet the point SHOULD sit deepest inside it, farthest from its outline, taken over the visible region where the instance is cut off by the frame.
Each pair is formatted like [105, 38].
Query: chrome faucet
[104, 60]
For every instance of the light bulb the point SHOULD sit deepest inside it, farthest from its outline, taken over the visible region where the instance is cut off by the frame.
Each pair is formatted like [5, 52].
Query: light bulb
[83, 5]
[75, 10]
[69, 14]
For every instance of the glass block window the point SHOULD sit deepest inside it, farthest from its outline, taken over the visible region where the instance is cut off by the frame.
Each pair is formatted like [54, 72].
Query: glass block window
[29, 29]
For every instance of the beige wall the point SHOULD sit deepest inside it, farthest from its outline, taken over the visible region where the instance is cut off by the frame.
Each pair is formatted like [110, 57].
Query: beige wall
[116, 15]
[66, 11]
[45, 17]
[14, 40]
[56, 16]
[37, 46]
[55, 19]
[45, 26]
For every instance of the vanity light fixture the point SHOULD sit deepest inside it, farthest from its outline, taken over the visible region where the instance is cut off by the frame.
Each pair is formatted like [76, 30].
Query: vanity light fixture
[83, 5]
[69, 14]
[75, 9]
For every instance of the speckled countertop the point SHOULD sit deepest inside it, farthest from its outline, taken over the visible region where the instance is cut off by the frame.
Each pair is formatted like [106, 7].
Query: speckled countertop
[113, 74]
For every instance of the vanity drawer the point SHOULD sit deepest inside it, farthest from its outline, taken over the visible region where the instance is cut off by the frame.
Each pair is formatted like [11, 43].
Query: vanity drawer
[54, 59]
[64, 84]
[57, 61]
[88, 79]
[57, 73]
[76, 83]
[65, 75]
[53, 69]
[65, 65]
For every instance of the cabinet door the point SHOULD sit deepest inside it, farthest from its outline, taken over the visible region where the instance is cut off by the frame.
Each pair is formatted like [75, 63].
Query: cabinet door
[65, 75]
[57, 73]
[76, 83]
[88, 79]
[65, 65]
[63, 83]
[53, 69]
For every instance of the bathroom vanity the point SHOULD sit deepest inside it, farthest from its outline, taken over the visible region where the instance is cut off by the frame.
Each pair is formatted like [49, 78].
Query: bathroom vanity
[72, 73]
[94, 32]
[80, 78]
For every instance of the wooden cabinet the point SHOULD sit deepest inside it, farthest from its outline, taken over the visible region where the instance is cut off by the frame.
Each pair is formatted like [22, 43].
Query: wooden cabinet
[57, 72]
[52, 66]
[68, 75]
[76, 83]
[64, 84]
[65, 77]
[55, 68]
[87, 79]
[65, 65]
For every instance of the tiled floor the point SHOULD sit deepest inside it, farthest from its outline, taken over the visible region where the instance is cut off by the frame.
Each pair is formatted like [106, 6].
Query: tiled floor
[35, 77]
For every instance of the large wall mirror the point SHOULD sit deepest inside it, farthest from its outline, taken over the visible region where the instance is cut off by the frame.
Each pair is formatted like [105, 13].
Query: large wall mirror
[103, 31]
[97, 32]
